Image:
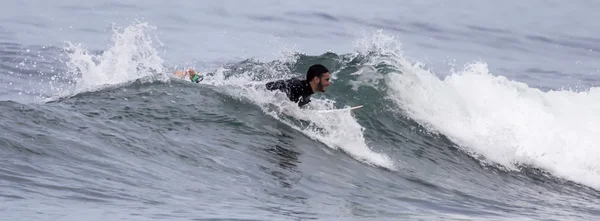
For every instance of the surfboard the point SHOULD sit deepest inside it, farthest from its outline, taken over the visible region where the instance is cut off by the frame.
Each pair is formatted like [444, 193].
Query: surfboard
[339, 110]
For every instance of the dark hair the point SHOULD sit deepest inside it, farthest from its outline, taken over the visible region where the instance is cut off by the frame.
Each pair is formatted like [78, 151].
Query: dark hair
[317, 70]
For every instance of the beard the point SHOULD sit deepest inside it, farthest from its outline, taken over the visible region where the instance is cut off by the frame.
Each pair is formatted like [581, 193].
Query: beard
[320, 87]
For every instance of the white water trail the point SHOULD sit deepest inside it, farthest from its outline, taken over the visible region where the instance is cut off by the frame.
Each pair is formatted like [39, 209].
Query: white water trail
[338, 130]
[130, 56]
[504, 121]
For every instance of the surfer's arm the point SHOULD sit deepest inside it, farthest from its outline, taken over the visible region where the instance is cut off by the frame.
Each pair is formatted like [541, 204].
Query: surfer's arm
[303, 101]
[275, 85]
[193, 75]
[180, 74]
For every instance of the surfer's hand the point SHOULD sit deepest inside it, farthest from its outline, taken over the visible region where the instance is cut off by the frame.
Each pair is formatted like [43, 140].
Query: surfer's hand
[182, 74]
[191, 72]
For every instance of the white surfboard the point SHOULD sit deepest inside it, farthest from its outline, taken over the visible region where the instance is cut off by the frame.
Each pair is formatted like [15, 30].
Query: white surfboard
[338, 110]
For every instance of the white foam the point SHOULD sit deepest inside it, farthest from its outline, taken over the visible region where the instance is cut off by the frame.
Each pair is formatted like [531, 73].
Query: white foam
[337, 130]
[504, 121]
[130, 56]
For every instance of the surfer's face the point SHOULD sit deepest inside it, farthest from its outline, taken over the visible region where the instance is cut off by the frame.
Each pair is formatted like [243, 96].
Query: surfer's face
[323, 82]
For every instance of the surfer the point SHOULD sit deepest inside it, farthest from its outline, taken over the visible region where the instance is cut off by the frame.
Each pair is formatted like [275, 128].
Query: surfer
[299, 91]
[193, 75]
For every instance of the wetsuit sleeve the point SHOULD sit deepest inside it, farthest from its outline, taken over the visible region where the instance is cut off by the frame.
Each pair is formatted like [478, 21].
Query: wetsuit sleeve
[275, 85]
[303, 101]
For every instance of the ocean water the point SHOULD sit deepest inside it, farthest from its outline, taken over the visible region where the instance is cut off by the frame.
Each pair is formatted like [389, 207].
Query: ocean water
[471, 110]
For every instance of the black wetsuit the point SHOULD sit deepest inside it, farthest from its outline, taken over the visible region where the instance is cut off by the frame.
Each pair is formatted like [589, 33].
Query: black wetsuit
[298, 91]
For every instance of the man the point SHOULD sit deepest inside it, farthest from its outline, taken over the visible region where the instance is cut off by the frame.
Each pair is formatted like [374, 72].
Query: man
[299, 91]
[194, 76]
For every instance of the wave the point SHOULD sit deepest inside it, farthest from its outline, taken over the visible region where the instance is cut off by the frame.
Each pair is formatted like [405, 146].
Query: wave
[498, 121]
[131, 56]
[494, 119]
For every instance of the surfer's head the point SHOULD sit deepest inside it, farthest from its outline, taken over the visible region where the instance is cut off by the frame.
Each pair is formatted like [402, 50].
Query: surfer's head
[318, 77]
